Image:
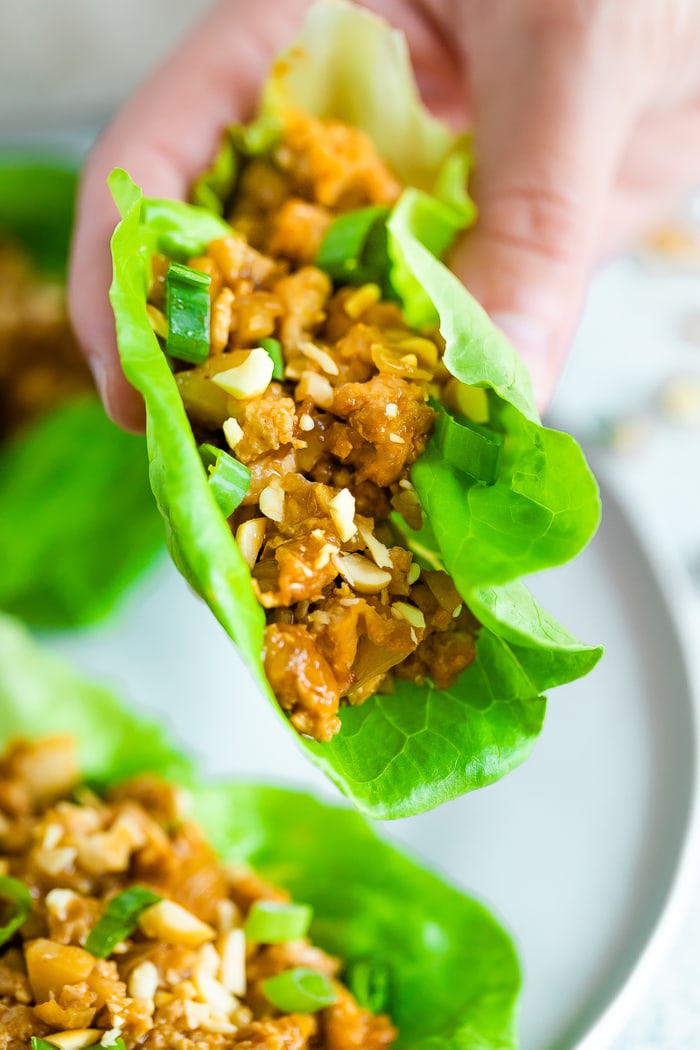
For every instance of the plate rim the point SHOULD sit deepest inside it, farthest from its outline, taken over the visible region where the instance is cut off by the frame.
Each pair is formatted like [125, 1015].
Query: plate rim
[678, 604]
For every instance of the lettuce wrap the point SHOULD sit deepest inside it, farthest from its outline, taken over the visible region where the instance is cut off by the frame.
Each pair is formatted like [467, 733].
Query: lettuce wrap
[454, 972]
[68, 551]
[408, 751]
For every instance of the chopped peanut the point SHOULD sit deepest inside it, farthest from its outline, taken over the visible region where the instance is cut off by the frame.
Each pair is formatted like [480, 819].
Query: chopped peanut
[170, 922]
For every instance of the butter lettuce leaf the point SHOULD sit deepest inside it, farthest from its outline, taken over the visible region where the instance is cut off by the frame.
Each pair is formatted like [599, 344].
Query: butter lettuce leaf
[455, 973]
[417, 747]
[37, 195]
[544, 506]
[41, 696]
[77, 522]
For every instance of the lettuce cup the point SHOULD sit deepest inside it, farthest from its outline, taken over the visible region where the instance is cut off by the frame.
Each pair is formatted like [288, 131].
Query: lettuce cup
[346, 452]
[141, 906]
[68, 551]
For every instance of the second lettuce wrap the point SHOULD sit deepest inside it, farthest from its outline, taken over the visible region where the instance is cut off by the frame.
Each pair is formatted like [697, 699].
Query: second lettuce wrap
[454, 973]
[407, 752]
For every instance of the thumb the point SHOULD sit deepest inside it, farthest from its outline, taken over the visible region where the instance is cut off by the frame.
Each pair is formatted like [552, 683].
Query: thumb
[549, 131]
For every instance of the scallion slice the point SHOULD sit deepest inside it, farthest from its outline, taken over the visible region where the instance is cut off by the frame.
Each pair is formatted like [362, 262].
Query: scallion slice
[188, 313]
[369, 980]
[300, 990]
[229, 479]
[15, 905]
[274, 922]
[119, 919]
[473, 449]
[274, 349]
[354, 249]
[44, 1044]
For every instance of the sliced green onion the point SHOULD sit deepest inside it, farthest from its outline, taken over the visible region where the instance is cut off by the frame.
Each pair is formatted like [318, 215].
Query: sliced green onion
[119, 919]
[229, 479]
[15, 905]
[187, 311]
[354, 249]
[274, 349]
[44, 1044]
[274, 922]
[299, 991]
[369, 980]
[473, 449]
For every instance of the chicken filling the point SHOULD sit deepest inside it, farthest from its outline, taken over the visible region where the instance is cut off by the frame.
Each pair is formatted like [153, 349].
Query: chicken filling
[188, 972]
[331, 443]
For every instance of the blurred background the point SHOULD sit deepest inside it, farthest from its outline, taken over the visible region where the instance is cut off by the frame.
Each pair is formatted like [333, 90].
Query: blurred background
[631, 393]
[64, 67]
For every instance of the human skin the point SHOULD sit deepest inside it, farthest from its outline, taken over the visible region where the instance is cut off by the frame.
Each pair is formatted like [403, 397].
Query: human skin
[586, 116]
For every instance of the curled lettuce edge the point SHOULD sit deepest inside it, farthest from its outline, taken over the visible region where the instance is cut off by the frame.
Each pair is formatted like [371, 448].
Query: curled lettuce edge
[456, 976]
[407, 752]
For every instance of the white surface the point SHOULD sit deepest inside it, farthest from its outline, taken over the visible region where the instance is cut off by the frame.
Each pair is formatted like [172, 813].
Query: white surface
[577, 850]
[68, 64]
[632, 341]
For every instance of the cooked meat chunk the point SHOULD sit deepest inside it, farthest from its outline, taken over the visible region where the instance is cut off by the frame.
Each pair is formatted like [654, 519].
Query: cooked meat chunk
[347, 1027]
[390, 442]
[267, 424]
[282, 1033]
[298, 230]
[334, 164]
[303, 295]
[302, 680]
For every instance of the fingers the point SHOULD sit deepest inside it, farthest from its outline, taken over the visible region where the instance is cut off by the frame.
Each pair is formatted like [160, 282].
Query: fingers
[550, 128]
[164, 137]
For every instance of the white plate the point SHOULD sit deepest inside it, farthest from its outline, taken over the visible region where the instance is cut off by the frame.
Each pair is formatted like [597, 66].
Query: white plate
[582, 851]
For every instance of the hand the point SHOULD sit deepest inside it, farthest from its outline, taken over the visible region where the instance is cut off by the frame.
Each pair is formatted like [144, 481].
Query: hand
[587, 129]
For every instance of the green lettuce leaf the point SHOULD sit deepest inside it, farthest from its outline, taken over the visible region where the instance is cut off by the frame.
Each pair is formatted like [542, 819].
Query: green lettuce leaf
[321, 75]
[455, 974]
[37, 195]
[409, 751]
[544, 506]
[77, 522]
[40, 695]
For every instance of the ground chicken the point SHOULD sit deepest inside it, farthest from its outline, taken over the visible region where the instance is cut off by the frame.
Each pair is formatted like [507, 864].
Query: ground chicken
[188, 977]
[329, 445]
